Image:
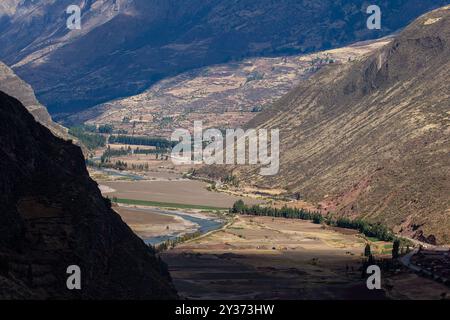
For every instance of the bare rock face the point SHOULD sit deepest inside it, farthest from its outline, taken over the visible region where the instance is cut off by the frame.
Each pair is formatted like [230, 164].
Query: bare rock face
[371, 139]
[11, 84]
[53, 216]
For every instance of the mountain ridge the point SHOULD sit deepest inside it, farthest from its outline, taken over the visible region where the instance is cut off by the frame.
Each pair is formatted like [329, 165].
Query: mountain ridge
[11, 84]
[371, 139]
[221, 96]
[54, 216]
[145, 41]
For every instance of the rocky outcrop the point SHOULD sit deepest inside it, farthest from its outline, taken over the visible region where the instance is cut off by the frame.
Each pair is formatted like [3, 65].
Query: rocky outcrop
[53, 216]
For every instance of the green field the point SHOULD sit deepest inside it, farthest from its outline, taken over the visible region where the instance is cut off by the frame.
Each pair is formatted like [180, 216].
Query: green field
[373, 239]
[166, 204]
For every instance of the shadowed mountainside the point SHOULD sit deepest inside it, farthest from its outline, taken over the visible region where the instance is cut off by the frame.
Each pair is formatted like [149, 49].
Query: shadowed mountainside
[221, 96]
[125, 46]
[53, 216]
[371, 138]
[12, 85]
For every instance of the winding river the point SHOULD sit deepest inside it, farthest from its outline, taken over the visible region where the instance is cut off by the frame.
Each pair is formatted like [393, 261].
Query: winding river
[203, 224]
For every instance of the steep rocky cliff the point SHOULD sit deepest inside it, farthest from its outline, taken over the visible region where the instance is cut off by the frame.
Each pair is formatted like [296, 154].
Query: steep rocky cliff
[12, 85]
[372, 138]
[52, 216]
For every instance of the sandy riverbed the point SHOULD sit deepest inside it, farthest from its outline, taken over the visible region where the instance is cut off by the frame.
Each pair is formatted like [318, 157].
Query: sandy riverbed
[151, 224]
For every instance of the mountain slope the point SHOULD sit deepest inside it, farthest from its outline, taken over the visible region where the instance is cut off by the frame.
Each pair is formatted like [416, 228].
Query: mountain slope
[221, 96]
[372, 138]
[16, 87]
[54, 216]
[127, 45]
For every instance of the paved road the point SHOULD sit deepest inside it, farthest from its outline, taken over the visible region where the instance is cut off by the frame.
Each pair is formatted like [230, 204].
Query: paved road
[406, 261]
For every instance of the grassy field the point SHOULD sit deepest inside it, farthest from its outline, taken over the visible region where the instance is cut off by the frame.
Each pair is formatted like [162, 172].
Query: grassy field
[372, 239]
[167, 204]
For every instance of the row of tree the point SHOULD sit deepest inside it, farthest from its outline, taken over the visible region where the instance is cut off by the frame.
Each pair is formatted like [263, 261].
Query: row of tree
[160, 143]
[172, 243]
[368, 229]
[151, 151]
[109, 153]
[377, 230]
[90, 140]
[106, 129]
[118, 165]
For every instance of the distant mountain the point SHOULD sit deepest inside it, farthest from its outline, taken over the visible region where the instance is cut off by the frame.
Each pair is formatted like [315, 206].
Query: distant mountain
[11, 84]
[371, 138]
[221, 96]
[127, 45]
[53, 216]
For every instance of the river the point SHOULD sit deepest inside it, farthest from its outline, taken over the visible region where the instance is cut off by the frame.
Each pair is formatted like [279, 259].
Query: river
[203, 224]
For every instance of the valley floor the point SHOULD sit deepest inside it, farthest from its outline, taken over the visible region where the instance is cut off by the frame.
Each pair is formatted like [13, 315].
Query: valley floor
[254, 257]
[266, 258]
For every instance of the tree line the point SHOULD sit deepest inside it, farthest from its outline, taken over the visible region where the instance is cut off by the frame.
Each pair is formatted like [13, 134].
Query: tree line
[89, 139]
[172, 243]
[159, 143]
[110, 153]
[377, 230]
